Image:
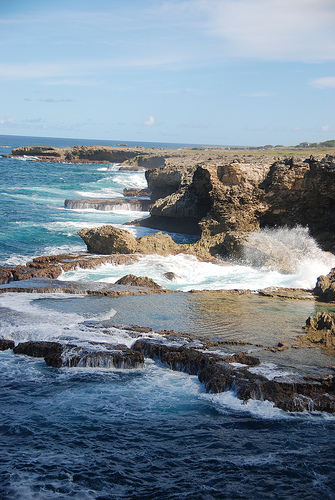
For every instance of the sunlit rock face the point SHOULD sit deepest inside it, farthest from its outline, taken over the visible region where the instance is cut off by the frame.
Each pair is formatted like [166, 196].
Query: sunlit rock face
[247, 194]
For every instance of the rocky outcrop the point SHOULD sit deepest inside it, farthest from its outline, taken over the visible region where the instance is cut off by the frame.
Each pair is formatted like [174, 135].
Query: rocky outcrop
[218, 375]
[108, 240]
[320, 331]
[6, 344]
[325, 287]
[136, 193]
[98, 356]
[231, 199]
[107, 204]
[138, 281]
[111, 240]
[52, 266]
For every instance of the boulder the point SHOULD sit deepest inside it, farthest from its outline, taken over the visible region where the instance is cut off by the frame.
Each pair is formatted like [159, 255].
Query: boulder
[325, 287]
[159, 243]
[108, 240]
[38, 349]
[6, 344]
[141, 281]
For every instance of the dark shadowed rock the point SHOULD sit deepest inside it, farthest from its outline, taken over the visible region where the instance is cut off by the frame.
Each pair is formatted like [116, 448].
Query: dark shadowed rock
[115, 357]
[6, 344]
[218, 375]
[38, 349]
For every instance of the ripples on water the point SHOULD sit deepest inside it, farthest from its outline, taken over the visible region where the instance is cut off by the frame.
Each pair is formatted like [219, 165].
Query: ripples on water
[151, 434]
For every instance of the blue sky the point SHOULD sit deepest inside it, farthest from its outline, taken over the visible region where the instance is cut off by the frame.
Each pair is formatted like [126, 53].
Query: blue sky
[229, 72]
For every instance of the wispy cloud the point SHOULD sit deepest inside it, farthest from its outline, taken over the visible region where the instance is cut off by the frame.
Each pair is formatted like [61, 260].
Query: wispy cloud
[327, 82]
[260, 94]
[280, 30]
[50, 99]
[149, 122]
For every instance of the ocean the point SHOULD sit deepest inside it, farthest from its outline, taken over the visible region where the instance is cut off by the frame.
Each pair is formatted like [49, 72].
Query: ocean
[94, 433]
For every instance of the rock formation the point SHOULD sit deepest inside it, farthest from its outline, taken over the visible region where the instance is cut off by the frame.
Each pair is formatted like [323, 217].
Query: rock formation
[108, 240]
[104, 356]
[229, 200]
[142, 281]
[107, 204]
[218, 375]
[320, 331]
[325, 287]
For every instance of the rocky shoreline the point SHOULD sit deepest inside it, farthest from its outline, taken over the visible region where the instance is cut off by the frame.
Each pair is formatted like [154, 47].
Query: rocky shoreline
[225, 201]
[192, 355]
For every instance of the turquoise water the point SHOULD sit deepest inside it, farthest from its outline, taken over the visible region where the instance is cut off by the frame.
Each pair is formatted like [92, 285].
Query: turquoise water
[149, 433]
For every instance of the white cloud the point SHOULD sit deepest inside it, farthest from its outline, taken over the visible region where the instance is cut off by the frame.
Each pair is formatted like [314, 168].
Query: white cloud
[298, 30]
[327, 82]
[149, 122]
[7, 121]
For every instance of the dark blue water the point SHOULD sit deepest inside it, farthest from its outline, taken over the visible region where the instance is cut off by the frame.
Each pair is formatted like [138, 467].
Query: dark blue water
[143, 434]
[150, 434]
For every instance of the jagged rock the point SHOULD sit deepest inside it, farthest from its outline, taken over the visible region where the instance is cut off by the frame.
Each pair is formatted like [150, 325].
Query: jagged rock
[115, 357]
[38, 349]
[325, 287]
[141, 281]
[58, 355]
[320, 331]
[6, 344]
[230, 198]
[165, 181]
[108, 240]
[137, 193]
[52, 266]
[5, 274]
[159, 243]
[218, 375]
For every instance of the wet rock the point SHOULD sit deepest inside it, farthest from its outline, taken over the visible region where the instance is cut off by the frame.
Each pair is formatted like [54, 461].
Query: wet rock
[107, 204]
[171, 276]
[6, 344]
[38, 349]
[74, 356]
[58, 355]
[218, 375]
[140, 281]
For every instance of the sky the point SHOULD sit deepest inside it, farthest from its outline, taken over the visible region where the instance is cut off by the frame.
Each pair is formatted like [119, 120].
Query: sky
[217, 72]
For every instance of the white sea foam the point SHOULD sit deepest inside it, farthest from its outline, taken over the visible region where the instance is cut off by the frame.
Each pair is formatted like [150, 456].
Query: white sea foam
[227, 401]
[193, 274]
[270, 371]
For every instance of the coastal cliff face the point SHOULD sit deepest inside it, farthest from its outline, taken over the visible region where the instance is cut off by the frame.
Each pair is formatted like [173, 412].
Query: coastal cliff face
[230, 200]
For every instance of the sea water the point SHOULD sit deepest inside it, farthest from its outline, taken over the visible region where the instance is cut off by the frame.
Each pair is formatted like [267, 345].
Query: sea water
[147, 433]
